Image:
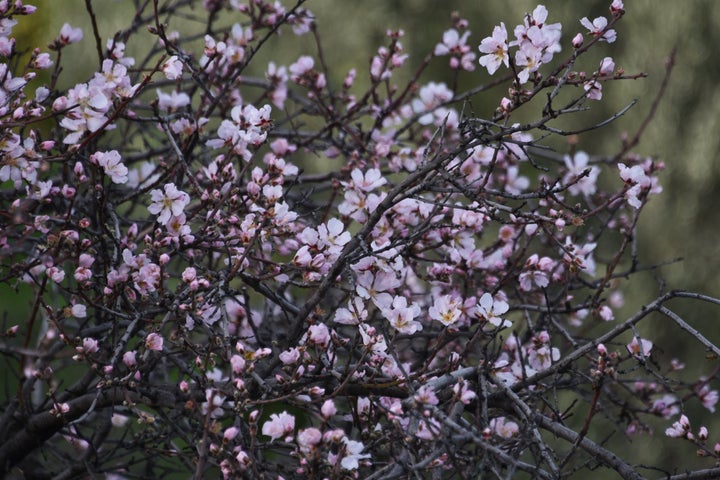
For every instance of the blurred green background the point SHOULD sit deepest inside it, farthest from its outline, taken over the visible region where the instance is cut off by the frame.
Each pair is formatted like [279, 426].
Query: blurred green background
[685, 134]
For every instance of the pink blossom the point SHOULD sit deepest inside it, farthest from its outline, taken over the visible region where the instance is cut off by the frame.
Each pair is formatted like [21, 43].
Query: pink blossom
[6, 25]
[369, 181]
[504, 428]
[352, 454]
[537, 42]
[679, 429]
[308, 439]
[42, 61]
[154, 341]
[279, 425]
[598, 29]
[319, 335]
[172, 68]
[129, 358]
[634, 175]
[117, 52]
[372, 340]
[169, 202]
[581, 256]
[593, 89]
[230, 434]
[402, 317]
[665, 406]
[147, 278]
[272, 193]
[375, 287]
[708, 397]
[56, 274]
[189, 274]
[530, 59]
[490, 310]
[356, 205]
[542, 357]
[328, 408]
[70, 35]
[607, 66]
[536, 273]
[112, 165]
[301, 20]
[577, 40]
[278, 77]
[59, 408]
[303, 65]
[172, 101]
[426, 395]
[243, 459]
[83, 273]
[282, 215]
[89, 345]
[354, 314]
[637, 181]
[617, 7]
[640, 347]
[79, 310]
[289, 357]
[445, 310]
[606, 313]
[213, 404]
[237, 362]
[581, 176]
[431, 97]
[496, 50]
[464, 392]
[428, 429]
[455, 45]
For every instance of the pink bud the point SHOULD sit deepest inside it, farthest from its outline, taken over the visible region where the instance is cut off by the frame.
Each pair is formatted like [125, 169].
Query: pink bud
[328, 409]
[60, 103]
[577, 40]
[685, 422]
[230, 433]
[506, 104]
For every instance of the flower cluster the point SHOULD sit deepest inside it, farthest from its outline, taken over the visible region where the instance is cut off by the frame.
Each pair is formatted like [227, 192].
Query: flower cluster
[288, 271]
[536, 40]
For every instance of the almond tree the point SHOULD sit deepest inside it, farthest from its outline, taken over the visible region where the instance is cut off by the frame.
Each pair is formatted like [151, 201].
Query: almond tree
[321, 274]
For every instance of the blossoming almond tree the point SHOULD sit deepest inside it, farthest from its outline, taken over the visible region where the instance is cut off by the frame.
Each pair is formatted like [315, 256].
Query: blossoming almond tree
[305, 275]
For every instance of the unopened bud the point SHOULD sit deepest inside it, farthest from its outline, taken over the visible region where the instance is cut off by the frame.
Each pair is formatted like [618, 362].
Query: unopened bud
[577, 40]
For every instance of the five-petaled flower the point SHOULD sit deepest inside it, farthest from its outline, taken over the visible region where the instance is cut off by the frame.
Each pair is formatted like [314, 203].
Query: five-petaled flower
[496, 49]
[112, 165]
[168, 202]
[640, 347]
[490, 310]
[445, 310]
